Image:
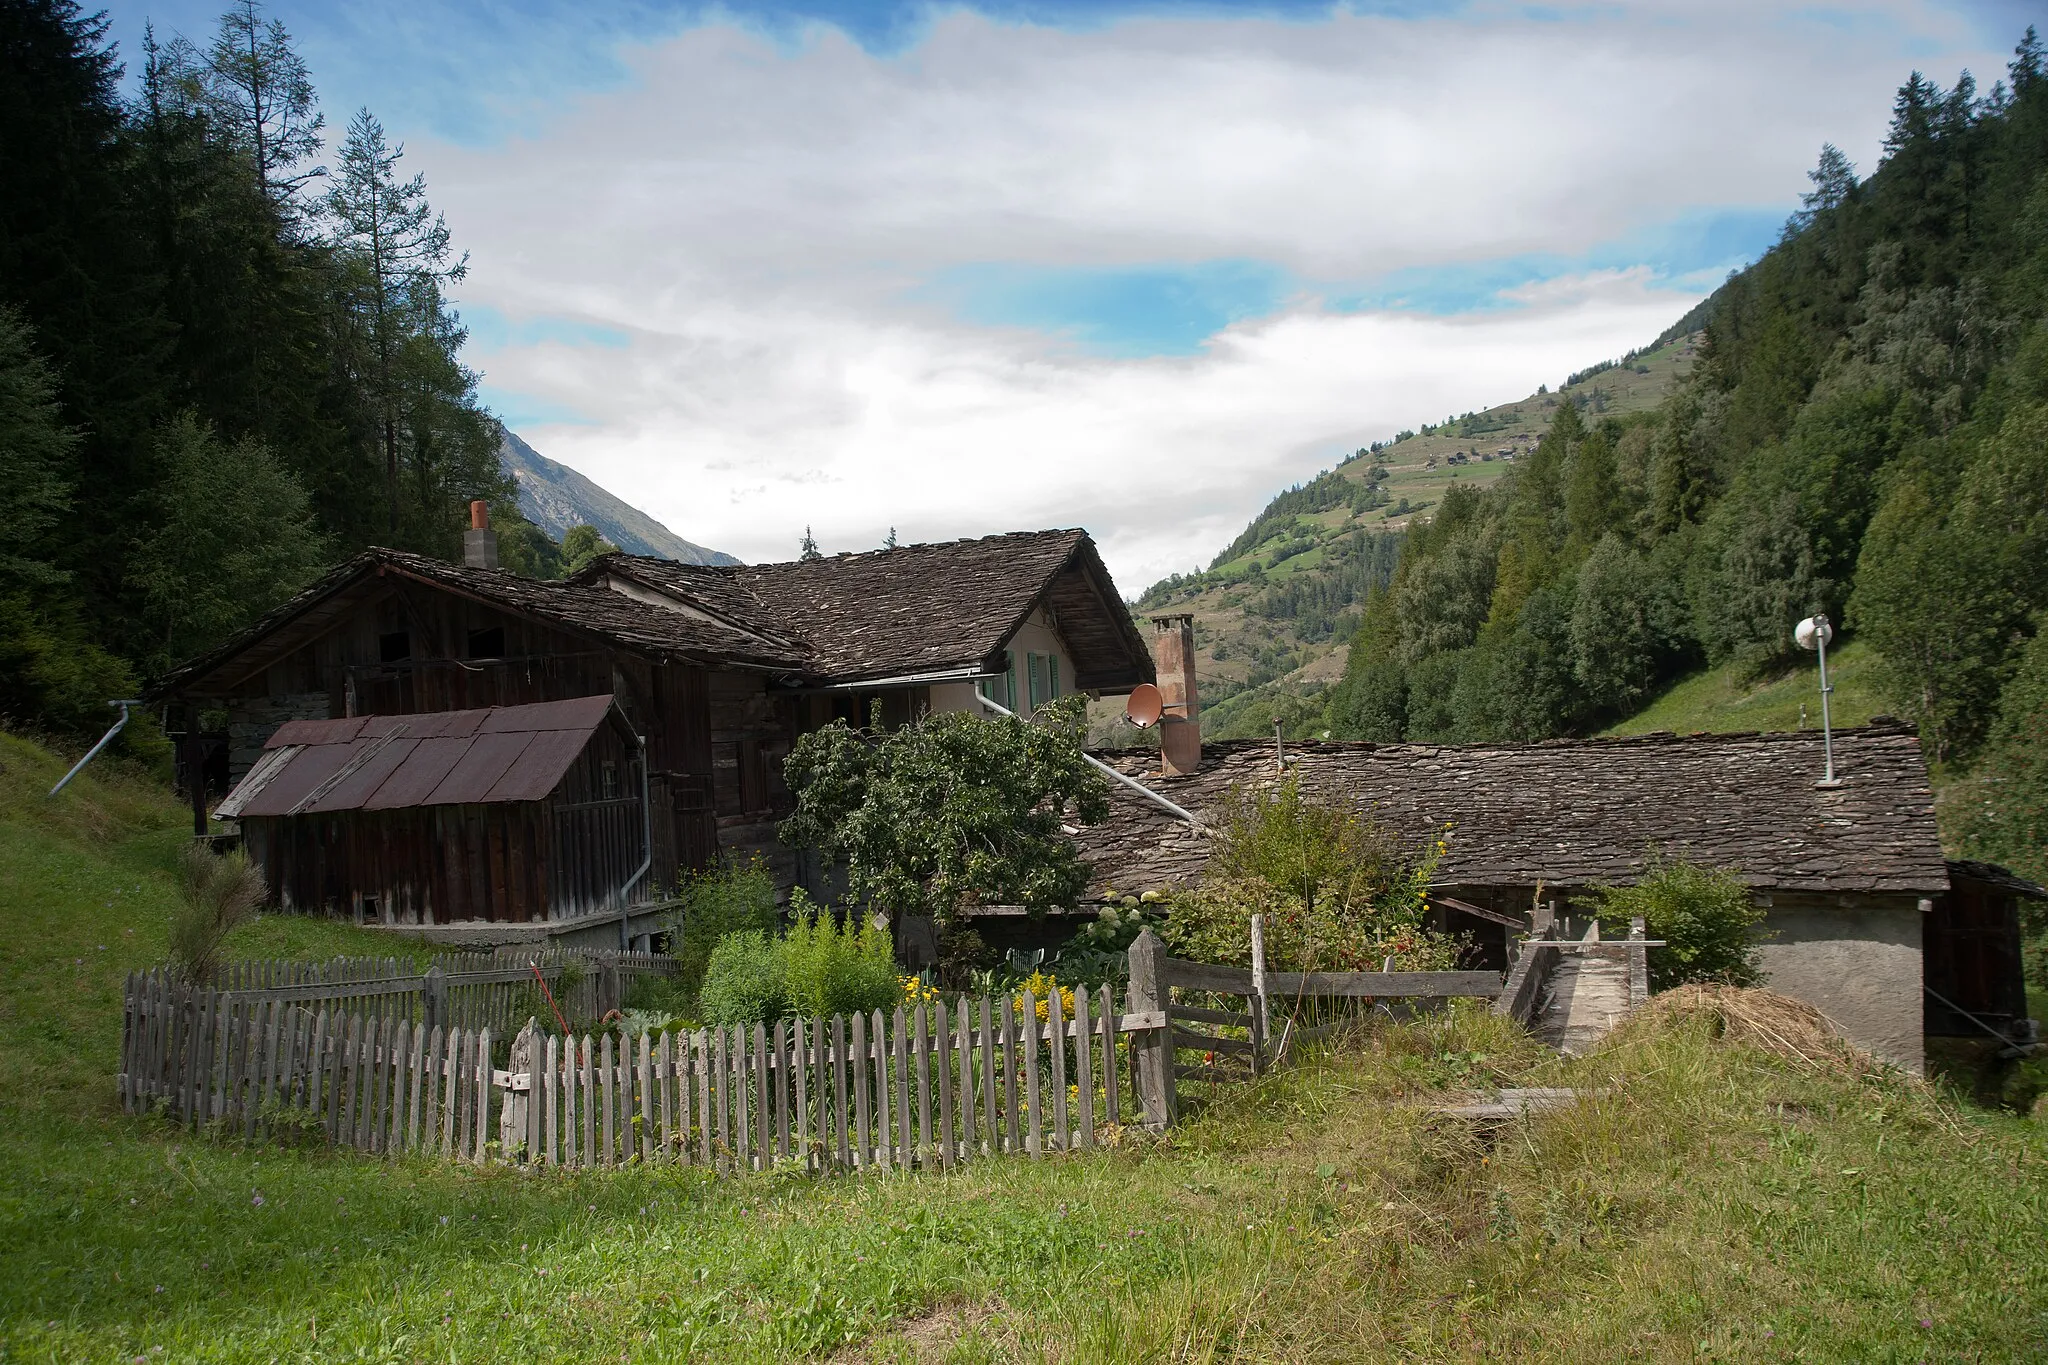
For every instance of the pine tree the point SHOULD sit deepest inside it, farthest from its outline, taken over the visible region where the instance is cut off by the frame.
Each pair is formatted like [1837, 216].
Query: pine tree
[398, 253]
[809, 548]
[254, 86]
[890, 543]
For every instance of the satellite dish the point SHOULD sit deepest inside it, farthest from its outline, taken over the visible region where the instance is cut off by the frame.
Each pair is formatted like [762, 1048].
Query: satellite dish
[1813, 632]
[1145, 706]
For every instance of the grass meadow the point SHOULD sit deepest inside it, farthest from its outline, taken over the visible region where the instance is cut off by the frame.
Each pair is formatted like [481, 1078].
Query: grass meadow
[1705, 1202]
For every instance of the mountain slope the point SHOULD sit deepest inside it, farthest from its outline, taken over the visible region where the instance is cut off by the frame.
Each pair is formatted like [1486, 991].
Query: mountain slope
[1276, 609]
[555, 497]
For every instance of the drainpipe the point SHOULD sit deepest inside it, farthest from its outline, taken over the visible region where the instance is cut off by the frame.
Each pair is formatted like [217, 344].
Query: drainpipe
[93, 752]
[1140, 788]
[646, 834]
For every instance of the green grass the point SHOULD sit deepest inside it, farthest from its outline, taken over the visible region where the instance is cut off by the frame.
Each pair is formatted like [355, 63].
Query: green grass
[1720, 700]
[1711, 1203]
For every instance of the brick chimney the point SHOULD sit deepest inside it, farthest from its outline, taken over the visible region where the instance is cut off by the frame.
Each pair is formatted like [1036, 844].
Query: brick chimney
[480, 542]
[1180, 728]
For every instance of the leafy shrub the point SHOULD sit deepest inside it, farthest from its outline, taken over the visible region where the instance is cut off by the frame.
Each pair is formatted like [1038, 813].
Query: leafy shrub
[1098, 953]
[735, 898]
[1709, 922]
[1338, 893]
[215, 893]
[744, 982]
[834, 968]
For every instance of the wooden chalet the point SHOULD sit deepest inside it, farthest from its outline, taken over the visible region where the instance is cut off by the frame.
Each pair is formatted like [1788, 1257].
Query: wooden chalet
[716, 670]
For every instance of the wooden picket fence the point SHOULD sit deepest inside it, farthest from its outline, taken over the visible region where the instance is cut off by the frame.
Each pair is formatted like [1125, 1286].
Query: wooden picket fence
[922, 1085]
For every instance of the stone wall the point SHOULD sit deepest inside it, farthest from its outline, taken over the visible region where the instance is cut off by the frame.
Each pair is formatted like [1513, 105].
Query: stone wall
[1859, 964]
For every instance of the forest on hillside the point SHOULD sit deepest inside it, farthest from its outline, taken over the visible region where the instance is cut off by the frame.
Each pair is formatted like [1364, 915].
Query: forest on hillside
[1865, 434]
[224, 364]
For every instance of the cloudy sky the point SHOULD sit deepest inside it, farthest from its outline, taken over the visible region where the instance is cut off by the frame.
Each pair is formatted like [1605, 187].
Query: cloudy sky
[1135, 267]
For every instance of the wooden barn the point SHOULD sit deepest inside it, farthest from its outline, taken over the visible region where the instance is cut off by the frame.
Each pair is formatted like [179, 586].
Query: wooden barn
[717, 669]
[531, 812]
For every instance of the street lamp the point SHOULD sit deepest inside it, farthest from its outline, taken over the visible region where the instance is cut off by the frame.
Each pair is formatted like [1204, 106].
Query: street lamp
[1814, 633]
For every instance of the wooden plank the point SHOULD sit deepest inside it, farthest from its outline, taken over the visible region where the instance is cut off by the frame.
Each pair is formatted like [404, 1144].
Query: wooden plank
[1033, 1106]
[764, 1116]
[545, 1090]
[1152, 1054]
[648, 1134]
[421, 1060]
[1384, 985]
[1056, 1025]
[446, 1082]
[885, 1141]
[723, 1079]
[992, 1124]
[608, 1137]
[1084, 1072]
[316, 1072]
[701, 1073]
[380, 1113]
[963, 1042]
[803, 1090]
[1107, 1017]
[782, 1075]
[483, 1092]
[1208, 976]
[942, 1064]
[1202, 1042]
[1013, 1139]
[922, 1058]
[665, 1069]
[587, 1098]
[900, 1063]
[839, 1114]
[1227, 1018]
[862, 1152]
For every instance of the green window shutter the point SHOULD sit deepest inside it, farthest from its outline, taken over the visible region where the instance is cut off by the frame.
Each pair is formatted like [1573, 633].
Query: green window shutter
[1036, 664]
[1010, 679]
[1052, 670]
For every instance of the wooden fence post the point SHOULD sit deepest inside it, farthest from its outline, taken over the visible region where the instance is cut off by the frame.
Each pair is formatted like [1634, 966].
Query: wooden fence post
[1152, 1050]
[434, 997]
[1258, 1001]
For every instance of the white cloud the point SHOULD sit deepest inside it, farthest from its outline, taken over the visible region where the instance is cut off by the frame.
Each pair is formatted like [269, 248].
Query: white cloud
[755, 219]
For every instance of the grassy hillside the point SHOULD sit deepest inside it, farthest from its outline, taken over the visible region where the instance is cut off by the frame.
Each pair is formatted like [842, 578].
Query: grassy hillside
[1722, 700]
[1712, 1202]
[1275, 611]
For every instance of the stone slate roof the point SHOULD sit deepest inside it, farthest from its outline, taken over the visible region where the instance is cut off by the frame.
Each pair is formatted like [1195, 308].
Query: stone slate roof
[1573, 812]
[2005, 879]
[847, 618]
[918, 609]
[606, 615]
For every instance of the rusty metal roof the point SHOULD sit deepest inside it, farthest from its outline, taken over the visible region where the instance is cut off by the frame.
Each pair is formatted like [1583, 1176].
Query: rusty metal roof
[443, 758]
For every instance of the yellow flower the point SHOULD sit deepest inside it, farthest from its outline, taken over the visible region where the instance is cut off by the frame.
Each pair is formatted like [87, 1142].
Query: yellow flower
[1041, 987]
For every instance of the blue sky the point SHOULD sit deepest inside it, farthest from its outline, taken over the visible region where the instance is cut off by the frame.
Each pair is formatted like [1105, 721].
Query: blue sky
[958, 269]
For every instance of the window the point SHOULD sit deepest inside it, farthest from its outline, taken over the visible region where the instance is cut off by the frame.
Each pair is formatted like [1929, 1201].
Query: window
[608, 782]
[488, 643]
[394, 646]
[1035, 664]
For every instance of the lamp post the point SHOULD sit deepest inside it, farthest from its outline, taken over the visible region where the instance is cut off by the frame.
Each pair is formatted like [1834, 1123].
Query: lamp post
[1814, 633]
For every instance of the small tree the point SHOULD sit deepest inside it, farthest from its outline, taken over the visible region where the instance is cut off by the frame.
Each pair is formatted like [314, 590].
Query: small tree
[215, 894]
[950, 810]
[1709, 922]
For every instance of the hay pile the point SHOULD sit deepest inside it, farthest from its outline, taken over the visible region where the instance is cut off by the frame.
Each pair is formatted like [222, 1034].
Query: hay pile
[1777, 1024]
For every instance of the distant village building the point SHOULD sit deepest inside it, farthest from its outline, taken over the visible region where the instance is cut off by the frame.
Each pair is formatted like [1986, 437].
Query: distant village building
[689, 685]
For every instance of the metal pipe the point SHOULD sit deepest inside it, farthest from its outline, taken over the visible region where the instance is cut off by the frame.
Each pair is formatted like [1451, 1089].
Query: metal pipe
[1140, 788]
[93, 752]
[1827, 729]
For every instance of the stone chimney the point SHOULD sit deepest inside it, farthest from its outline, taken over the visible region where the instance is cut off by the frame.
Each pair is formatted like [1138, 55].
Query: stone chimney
[1180, 728]
[480, 542]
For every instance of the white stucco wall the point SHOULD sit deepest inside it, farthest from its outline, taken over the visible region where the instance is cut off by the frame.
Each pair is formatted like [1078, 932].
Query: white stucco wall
[1035, 636]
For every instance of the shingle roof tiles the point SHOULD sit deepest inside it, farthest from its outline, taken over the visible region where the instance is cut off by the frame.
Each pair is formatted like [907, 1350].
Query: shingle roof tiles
[1572, 812]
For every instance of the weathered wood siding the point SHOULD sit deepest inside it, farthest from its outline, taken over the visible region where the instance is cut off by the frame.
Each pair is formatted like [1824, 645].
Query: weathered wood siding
[462, 653]
[505, 861]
